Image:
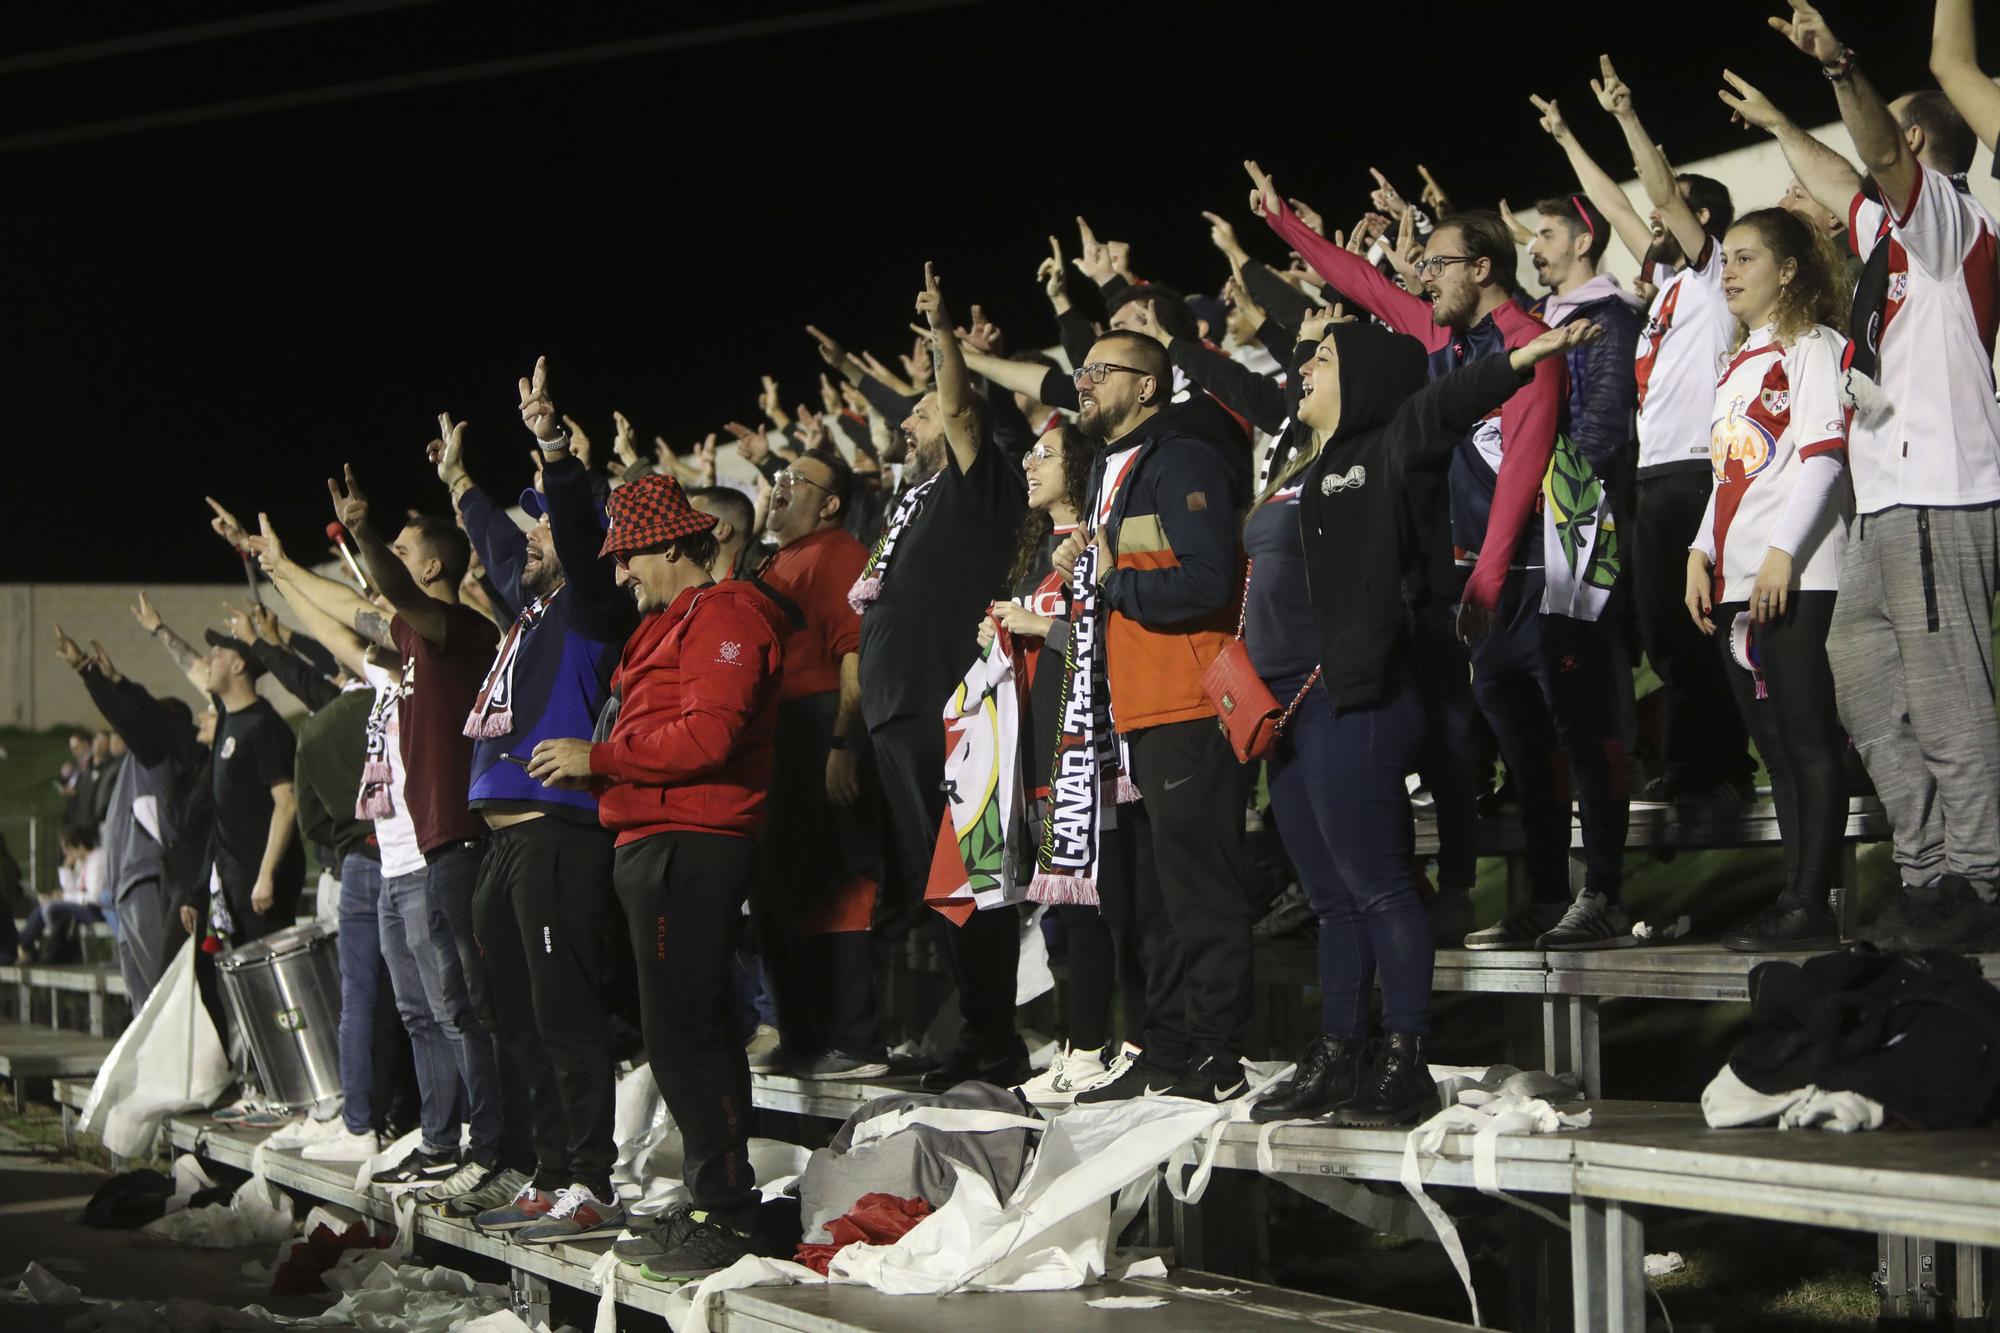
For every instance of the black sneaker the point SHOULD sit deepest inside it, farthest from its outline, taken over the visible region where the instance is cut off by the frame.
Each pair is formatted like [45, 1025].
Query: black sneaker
[1210, 1078]
[1325, 1078]
[1518, 930]
[703, 1245]
[970, 1064]
[1289, 912]
[1948, 914]
[653, 1237]
[1142, 1078]
[1395, 1088]
[419, 1168]
[1789, 925]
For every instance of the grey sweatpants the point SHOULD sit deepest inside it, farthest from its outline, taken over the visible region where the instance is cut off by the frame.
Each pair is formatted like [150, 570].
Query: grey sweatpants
[1912, 651]
[149, 931]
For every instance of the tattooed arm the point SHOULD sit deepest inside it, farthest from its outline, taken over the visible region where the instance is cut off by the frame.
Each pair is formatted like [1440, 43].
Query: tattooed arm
[192, 664]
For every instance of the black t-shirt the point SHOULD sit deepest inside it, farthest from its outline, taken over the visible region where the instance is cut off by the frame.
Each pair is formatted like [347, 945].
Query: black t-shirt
[254, 750]
[920, 634]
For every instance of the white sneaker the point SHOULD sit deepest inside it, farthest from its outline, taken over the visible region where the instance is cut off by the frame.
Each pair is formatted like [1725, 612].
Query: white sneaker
[345, 1146]
[762, 1042]
[1070, 1072]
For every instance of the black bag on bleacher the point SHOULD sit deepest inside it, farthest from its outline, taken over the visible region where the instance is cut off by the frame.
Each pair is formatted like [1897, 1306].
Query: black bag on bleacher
[1917, 1032]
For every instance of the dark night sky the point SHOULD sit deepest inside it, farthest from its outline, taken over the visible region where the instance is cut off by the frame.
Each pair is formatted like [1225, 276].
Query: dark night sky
[236, 306]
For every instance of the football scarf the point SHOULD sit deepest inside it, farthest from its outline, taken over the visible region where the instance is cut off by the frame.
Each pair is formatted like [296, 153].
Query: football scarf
[375, 799]
[1084, 777]
[493, 712]
[869, 586]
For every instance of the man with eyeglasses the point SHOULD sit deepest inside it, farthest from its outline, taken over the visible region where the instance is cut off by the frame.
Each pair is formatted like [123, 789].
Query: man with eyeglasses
[940, 561]
[1167, 563]
[1532, 674]
[819, 866]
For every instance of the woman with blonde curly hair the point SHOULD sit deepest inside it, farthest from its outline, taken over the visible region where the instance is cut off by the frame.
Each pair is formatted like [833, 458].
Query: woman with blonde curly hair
[1765, 566]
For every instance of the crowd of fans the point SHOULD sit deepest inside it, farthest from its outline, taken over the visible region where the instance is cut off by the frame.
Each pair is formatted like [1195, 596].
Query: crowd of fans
[993, 634]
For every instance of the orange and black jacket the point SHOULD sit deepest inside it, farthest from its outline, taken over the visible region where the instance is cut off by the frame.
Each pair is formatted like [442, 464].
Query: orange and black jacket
[1176, 574]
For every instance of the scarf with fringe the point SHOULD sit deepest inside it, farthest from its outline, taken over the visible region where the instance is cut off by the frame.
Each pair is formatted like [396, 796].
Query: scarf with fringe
[493, 712]
[869, 586]
[375, 799]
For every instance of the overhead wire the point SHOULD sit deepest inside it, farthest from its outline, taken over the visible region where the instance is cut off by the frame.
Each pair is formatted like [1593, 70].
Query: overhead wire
[164, 39]
[390, 84]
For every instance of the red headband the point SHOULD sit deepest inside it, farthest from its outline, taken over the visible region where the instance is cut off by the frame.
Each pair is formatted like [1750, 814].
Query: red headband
[1576, 202]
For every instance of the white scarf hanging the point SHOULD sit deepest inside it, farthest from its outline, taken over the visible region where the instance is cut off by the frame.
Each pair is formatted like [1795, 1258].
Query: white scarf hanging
[869, 586]
[493, 711]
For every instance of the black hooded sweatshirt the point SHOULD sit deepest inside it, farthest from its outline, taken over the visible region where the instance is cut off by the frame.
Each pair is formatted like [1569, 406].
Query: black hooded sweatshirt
[1373, 511]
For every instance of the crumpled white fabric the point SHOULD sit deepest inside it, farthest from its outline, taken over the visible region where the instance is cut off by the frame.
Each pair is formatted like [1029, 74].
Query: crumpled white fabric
[379, 1293]
[167, 1060]
[255, 1215]
[1090, 1174]
[36, 1285]
[1728, 1102]
[1492, 1116]
[1127, 1302]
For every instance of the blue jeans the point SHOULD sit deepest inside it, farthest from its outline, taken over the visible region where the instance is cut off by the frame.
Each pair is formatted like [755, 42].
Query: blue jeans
[1337, 788]
[404, 918]
[453, 973]
[361, 977]
[45, 916]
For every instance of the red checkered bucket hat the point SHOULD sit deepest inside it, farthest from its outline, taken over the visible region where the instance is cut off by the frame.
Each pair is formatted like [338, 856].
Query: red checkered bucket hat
[651, 512]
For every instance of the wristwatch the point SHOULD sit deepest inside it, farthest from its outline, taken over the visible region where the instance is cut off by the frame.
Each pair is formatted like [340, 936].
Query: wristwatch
[837, 743]
[1841, 66]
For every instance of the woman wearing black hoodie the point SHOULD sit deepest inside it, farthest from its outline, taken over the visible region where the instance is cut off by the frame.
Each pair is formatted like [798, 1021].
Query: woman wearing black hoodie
[1345, 537]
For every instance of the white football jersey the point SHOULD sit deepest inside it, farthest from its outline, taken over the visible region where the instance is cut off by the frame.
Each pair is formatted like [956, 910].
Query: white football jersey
[1927, 430]
[1687, 334]
[1775, 407]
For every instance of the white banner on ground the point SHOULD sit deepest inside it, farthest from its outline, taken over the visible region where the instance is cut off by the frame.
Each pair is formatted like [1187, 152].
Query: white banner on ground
[168, 1060]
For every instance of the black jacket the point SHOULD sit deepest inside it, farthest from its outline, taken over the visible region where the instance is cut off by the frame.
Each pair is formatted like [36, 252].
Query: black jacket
[1373, 511]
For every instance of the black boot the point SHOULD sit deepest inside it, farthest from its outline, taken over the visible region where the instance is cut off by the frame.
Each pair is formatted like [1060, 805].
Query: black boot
[1325, 1078]
[1004, 1068]
[1396, 1090]
[1791, 924]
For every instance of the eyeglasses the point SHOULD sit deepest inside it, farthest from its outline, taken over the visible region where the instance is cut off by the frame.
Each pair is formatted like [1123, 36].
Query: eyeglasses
[1041, 453]
[1436, 264]
[791, 477]
[1099, 371]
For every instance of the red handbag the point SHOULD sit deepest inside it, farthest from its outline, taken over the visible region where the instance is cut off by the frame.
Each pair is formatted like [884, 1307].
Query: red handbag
[1245, 708]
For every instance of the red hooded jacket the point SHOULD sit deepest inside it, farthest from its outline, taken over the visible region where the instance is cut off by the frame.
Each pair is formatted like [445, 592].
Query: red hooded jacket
[698, 691]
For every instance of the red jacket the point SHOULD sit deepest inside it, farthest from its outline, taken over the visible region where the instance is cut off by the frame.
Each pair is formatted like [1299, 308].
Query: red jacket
[698, 691]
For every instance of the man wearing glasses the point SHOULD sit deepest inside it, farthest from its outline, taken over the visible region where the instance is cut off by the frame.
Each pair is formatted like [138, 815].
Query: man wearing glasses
[820, 861]
[1534, 689]
[1164, 529]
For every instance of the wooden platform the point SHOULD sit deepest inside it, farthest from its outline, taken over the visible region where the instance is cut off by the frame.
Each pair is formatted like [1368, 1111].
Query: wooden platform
[817, 1309]
[33, 1055]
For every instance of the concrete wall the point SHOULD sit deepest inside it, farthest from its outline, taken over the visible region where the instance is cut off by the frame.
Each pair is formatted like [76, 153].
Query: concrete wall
[38, 691]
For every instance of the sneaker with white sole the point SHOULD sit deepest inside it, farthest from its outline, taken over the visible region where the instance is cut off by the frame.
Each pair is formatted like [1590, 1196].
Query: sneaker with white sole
[1070, 1072]
[842, 1065]
[469, 1177]
[265, 1117]
[1518, 930]
[1592, 922]
[527, 1208]
[578, 1214]
[346, 1146]
[417, 1168]
[235, 1111]
[501, 1188]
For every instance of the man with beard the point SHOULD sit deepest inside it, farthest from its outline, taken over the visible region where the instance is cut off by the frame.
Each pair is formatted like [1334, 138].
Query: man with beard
[1160, 539]
[940, 561]
[542, 908]
[1705, 751]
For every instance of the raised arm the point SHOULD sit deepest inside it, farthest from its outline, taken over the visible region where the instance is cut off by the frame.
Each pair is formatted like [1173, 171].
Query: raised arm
[1598, 187]
[192, 664]
[133, 713]
[502, 546]
[957, 402]
[1955, 66]
[1656, 175]
[1885, 154]
[1826, 174]
[298, 586]
[426, 614]
[1357, 280]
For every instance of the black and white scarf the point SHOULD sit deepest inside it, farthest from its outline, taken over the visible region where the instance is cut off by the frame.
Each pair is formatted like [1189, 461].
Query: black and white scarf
[375, 800]
[869, 586]
[493, 711]
[1086, 779]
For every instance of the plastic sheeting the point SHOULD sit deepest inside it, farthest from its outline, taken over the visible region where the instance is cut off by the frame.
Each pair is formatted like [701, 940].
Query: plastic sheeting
[255, 1215]
[168, 1060]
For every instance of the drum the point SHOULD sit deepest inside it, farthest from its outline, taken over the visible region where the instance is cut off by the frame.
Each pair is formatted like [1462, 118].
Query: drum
[284, 991]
